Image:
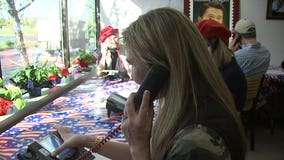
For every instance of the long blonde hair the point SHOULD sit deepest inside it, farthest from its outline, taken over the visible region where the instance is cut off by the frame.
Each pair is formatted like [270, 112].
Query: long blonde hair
[165, 36]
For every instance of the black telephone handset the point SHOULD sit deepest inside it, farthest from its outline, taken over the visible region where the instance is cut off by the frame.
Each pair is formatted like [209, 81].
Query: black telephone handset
[238, 40]
[153, 81]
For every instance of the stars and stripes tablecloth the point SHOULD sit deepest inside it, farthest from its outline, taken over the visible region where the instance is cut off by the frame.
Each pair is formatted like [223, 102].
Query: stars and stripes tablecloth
[83, 109]
[272, 79]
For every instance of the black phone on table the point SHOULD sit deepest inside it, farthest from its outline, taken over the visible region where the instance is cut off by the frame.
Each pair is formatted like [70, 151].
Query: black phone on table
[153, 81]
[42, 149]
[115, 103]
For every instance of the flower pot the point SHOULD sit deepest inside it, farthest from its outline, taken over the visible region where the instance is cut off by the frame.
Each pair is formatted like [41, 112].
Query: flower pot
[35, 92]
[52, 83]
[45, 91]
[83, 63]
[12, 109]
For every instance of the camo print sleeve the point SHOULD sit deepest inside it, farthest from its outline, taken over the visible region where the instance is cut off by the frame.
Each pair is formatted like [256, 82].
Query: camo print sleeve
[198, 142]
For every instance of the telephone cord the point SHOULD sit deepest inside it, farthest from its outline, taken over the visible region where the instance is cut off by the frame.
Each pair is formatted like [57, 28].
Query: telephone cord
[100, 144]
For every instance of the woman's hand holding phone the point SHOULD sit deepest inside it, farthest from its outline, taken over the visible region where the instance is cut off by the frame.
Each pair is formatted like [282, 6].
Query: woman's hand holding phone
[137, 127]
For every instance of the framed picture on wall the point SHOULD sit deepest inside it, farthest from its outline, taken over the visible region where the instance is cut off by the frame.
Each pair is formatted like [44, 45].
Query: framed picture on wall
[192, 8]
[275, 9]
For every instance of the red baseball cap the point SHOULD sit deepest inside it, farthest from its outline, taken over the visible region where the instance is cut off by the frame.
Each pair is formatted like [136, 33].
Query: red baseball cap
[106, 32]
[210, 28]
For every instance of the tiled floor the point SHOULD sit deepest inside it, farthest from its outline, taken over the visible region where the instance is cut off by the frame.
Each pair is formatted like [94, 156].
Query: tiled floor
[268, 146]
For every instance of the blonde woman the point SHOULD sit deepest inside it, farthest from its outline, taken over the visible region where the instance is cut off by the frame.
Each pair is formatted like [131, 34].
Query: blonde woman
[196, 118]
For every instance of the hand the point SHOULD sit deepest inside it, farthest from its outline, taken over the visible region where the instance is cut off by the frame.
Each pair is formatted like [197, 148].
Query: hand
[138, 126]
[105, 60]
[234, 45]
[71, 140]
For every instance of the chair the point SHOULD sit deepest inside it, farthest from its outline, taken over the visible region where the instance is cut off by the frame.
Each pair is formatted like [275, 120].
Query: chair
[248, 111]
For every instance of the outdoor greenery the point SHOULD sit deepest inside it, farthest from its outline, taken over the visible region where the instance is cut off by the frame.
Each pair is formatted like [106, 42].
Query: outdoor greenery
[9, 32]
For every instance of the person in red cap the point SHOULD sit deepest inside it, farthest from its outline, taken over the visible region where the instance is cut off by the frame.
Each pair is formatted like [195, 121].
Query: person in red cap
[217, 36]
[111, 59]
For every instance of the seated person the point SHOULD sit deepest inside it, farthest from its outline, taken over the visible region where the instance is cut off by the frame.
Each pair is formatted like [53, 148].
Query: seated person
[195, 118]
[217, 36]
[109, 56]
[252, 57]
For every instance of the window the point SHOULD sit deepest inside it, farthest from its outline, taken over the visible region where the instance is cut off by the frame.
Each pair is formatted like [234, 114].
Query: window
[42, 28]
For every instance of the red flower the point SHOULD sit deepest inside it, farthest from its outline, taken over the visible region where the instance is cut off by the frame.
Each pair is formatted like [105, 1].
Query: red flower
[76, 61]
[84, 63]
[4, 105]
[64, 71]
[52, 77]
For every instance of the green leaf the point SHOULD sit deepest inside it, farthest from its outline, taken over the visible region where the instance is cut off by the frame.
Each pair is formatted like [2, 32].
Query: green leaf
[3, 92]
[13, 92]
[86, 55]
[38, 74]
[19, 103]
[1, 82]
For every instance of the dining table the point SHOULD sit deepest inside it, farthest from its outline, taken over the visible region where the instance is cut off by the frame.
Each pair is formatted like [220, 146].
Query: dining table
[273, 81]
[82, 109]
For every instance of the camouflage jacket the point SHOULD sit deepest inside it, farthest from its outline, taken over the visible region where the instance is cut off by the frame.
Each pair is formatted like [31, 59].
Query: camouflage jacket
[198, 142]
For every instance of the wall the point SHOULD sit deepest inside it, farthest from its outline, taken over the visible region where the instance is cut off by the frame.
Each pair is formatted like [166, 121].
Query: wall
[120, 13]
[270, 33]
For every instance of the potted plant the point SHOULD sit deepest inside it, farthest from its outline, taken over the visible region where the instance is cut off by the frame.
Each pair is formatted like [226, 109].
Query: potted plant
[9, 95]
[35, 77]
[32, 79]
[85, 58]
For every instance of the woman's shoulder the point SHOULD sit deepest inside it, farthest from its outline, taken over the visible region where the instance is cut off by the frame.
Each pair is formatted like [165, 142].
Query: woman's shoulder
[198, 142]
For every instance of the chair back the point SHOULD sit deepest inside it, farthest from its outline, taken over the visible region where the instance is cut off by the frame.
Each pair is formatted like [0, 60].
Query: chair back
[253, 89]
[254, 85]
